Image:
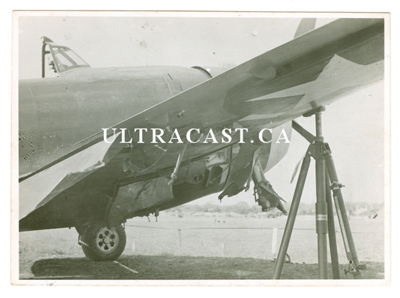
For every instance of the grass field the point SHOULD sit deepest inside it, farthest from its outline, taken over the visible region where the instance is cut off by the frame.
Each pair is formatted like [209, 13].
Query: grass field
[167, 267]
[192, 241]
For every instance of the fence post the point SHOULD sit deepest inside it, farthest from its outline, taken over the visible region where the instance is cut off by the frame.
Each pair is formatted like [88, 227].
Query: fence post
[274, 242]
[179, 242]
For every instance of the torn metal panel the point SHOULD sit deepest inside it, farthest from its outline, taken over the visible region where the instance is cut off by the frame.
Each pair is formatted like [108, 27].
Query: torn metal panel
[138, 196]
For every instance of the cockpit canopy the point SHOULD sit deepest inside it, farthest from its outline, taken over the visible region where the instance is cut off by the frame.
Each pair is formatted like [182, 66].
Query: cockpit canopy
[59, 58]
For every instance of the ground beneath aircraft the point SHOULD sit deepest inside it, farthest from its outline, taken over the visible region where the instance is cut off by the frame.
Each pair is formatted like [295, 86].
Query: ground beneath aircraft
[199, 247]
[183, 268]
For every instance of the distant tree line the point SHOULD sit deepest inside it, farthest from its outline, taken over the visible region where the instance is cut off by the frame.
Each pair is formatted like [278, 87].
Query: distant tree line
[243, 208]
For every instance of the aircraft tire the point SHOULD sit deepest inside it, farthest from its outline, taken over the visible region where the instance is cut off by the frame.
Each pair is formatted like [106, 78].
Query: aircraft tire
[99, 243]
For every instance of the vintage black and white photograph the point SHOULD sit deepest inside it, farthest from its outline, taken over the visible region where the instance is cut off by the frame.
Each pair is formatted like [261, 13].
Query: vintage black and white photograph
[201, 146]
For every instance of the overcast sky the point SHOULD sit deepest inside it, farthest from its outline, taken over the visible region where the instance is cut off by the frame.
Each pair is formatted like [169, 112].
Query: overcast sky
[353, 126]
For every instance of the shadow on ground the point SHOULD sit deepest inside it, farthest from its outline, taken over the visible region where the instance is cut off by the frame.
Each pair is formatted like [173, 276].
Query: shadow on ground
[167, 267]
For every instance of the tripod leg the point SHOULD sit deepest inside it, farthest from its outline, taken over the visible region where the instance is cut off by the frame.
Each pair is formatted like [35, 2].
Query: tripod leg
[342, 215]
[331, 230]
[292, 216]
[321, 219]
[321, 207]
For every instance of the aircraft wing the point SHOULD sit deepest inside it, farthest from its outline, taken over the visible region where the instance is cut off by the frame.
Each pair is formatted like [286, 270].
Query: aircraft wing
[280, 85]
[308, 72]
[66, 178]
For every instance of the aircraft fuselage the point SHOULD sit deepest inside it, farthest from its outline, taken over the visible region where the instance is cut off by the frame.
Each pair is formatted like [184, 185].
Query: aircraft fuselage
[60, 115]
[56, 115]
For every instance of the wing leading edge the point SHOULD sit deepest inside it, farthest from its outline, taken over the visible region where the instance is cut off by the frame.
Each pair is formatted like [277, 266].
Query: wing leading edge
[354, 46]
[278, 86]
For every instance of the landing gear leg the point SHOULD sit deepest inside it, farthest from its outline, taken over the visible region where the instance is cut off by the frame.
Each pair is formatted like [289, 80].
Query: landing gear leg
[264, 194]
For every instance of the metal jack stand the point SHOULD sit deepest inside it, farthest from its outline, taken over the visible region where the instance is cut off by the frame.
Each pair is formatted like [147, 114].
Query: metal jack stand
[325, 176]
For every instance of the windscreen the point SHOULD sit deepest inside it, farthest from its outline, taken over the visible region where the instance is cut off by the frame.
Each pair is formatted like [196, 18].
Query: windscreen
[66, 59]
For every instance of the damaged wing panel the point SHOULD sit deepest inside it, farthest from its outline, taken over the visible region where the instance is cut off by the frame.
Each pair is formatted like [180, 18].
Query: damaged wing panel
[139, 196]
[40, 189]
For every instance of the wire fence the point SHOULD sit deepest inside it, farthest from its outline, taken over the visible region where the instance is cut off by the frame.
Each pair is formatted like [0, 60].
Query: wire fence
[246, 242]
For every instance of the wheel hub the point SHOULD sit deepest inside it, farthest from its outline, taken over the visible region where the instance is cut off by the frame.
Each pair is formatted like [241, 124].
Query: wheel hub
[107, 240]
